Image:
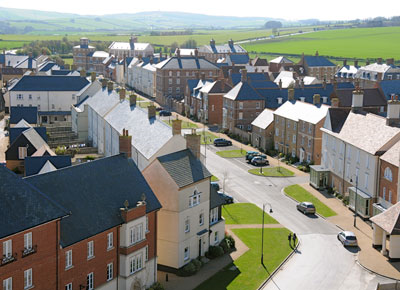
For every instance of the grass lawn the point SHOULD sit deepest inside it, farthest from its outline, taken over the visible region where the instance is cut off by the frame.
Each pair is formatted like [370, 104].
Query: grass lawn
[214, 178]
[250, 273]
[207, 138]
[232, 153]
[185, 124]
[245, 213]
[300, 194]
[144, 104]
[273, 171]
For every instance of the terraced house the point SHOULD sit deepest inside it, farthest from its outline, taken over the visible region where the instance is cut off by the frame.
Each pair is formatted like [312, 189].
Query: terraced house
[214, 52]
[318, 66]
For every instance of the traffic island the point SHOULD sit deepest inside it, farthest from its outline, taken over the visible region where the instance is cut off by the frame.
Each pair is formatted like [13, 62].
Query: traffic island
[232, 153]
[272, 172]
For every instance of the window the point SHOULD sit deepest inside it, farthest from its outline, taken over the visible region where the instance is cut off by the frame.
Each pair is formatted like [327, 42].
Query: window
[276, 146]
[170, 81]
[110, 241]
[367, 161]
[38, 107]
[7, 249]
[170, 90]
[348, 152]
[308, 157]
[216, 240]
[240, 116]
[309, 142]
[294, 125]
[68, 259]
[90, 249]
[53, 106]
[293, 152]
[390, 196]
[388, 174]
[178, 90]
[214, 215]
[89, 281]
[366, 181]
[240, 105]
[333, 144]
[212, 108]
[384, 193]
[109, 271]
[178, 81]
[170, 73]
[210, 73]
[146, 253]
[187, 73]
[358, 156]
[28, 278]
[186, 254]
[7, 284]
[294, 139]
[68, 286]
[30, 97]
[136, 263]
[28, 241]
[288, 123]
[22, 152]
[201, 219]
[178, 73]
[348, 170]
[279, 101]
[277, 131]
[341, 148]
[147, 224]
[136, 234]
[187, 225]
[257, 105]
[195, 198]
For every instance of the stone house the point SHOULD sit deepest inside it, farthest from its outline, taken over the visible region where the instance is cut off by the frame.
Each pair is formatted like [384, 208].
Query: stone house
[214, 52]
[262, 130]
[318, 66]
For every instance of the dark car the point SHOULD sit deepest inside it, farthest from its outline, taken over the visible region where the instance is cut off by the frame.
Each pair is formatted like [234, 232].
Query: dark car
[159, 109]
[306, 207]
[215, 185]
[227, 198]
[251, 154]
[222, 142]
[165, 113]
[259, 160]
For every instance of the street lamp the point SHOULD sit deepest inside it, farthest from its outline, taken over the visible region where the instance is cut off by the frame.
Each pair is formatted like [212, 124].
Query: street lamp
[262, 231]
[355, 202]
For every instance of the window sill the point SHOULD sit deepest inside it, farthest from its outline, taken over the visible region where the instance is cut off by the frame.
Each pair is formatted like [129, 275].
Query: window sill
[69, 267]
[30, 287]
[109, 249]
[90, 258]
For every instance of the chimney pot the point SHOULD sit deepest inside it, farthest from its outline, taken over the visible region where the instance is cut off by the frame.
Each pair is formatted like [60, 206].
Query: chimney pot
[345, 62]
[110, 86]
[83, 73]
[357, 100]
[176, 126]
[193, 143]
[93, 76]
[291, 94]
[132, 100]
[356, 63]
[196, 53]
[335, 102]
[380, 60]
[125, 143]
[244, 74]
[151, 111]
[103, 83]
[316, 99]
[122, 93]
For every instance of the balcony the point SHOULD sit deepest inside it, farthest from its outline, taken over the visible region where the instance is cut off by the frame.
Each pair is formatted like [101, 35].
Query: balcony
[29, 251]
[9, 259]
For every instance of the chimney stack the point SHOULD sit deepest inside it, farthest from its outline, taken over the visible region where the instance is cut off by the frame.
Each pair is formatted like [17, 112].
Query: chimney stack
[178, 52]
[302, 83]
[83, 73]
[103, 83]
[132, 100]
[93, 76]
[244, 75]
[193, 143]
[324, 84]
[291, 94]
[316, 99]
[230, 42]
[335, 102]
[367, 62]
[379, 77]
[393, 111]
[212, 42]
[356, 63]
[297, 83]
[345, 62]
[203, 76]
[316, 53]
[390, 61]
[152, 111]
[122, 93]
[196, 53]
[110, 86]
[125, 144]
[280, 83]
[380, 60]
[358, 99]
[176, 126]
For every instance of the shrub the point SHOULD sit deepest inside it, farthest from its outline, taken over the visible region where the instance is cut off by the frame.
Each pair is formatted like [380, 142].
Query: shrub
[224, 245]
[345, 200]
[156, 286]
[90, 157]
[17, 171]
[281, 155]
[215, 251]
[231, 241]
[197, 264]
[187, 270]
[61, 150]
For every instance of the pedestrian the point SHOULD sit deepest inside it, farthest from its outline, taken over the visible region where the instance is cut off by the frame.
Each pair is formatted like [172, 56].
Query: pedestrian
[290, 238]
[294, 239]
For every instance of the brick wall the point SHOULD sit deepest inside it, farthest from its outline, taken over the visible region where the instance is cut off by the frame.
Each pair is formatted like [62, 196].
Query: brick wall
[385, 183]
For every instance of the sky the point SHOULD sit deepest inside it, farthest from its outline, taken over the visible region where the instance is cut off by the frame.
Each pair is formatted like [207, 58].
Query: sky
[289, 10]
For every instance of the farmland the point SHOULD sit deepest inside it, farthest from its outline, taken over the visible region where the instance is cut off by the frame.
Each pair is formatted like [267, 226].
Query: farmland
[344, 43]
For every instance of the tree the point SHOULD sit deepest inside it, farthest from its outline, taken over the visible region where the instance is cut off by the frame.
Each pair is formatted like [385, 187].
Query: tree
[174, 46]
[273, 24]
[190, 43]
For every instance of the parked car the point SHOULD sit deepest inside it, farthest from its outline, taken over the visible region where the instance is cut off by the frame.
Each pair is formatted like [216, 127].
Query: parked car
[227, 198]
[222, 142]
[347, 238]
[159, 109]
[306, 207]
[165, 113]
[215, 185]
[251, 154]
[260, 160]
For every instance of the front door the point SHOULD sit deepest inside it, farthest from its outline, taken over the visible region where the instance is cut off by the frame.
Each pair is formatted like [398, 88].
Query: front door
[301, 155]
[200, 247]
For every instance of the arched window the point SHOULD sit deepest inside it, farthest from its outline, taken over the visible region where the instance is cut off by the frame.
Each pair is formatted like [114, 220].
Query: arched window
[388, 174]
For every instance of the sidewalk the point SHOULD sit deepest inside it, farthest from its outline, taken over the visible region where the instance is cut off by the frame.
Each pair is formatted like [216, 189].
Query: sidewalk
[368, 257]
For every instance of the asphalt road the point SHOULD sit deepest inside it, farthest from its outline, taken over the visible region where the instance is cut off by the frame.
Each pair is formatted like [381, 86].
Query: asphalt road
[322, 262]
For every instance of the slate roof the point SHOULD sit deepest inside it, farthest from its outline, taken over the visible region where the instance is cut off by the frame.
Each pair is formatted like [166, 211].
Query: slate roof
[271, 97]
[253, 77]
[50, 83]
[362, 130]
[259, 62]
[48, 66]
[224, 48]
[392, 155]
[148, 135]
[34, 164]
[239, 58]
[389, 220]
[94, 192]
[64, 72]
[265, 119]
[372, 98]
[33, 137]
[15, 132]
[243, 92]
[215, 199]
[127, 46]
[337, 117]
[390, 87]
[313, 61]
[186, 62]
[22, 206]
[184, 168]
[29, 114]
[281, 59]
[102, 102]
[28, 63]
[302, 111]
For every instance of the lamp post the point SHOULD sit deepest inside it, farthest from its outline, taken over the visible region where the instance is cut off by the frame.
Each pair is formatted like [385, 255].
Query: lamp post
[355, 202]
[262, 231]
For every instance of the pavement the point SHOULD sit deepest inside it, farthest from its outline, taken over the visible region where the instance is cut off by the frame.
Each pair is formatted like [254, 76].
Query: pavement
[3, 140]
[368, 256]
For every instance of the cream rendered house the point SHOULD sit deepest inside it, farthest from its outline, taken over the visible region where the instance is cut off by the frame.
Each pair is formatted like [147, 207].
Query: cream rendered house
[182, 184]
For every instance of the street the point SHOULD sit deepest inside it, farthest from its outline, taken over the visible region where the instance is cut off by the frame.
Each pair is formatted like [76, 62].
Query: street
[321, 262]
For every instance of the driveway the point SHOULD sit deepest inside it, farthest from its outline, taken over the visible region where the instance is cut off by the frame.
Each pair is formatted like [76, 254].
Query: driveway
[322, 262]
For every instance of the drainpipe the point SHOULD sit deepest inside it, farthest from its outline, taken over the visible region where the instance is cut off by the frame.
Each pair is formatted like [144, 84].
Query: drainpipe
[117, 250]
[57, 246]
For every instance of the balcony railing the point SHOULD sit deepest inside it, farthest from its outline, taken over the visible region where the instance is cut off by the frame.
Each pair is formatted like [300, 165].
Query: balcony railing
[8, 259]
[29, 251]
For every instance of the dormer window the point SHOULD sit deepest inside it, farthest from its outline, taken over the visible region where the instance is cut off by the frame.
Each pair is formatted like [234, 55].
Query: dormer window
[279, 101]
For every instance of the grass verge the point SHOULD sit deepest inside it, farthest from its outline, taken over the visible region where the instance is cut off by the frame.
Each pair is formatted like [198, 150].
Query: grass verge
[185, 124]
[300, 194]
[272, 172]
[245, 213]
[232, 153]
[207, 138]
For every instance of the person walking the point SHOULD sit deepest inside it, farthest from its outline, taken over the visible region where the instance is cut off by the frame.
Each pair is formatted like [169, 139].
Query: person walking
[294, 239]
[290, 239]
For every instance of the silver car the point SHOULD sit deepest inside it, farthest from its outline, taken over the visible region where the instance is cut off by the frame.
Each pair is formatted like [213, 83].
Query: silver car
[306, 207]
[347, 238]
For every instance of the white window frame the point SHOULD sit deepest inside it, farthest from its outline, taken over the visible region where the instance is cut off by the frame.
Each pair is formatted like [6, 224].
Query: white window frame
[68, 259]
[240, 115]
[7, 284]
[186, 253]
[28, 278]
[90, 249]
[201, 219]
[366, 178]
[388, 174]
[367, 161]
[89, 281]
[214, 215]
[136, 234]
[276, 131]
[187, 225]
[136, 263]
[7, 248]
[216, 240]
[68, 286]
[110, 274]
[22, 152]
[110, 241]
[294, 139]
[28, 241]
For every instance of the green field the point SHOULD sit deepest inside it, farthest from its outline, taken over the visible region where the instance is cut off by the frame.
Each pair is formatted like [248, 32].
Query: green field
[300, 194]
[245, 213]
[347, 43]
